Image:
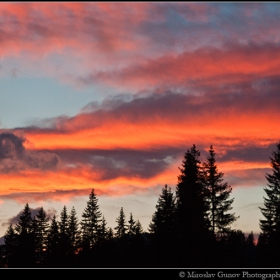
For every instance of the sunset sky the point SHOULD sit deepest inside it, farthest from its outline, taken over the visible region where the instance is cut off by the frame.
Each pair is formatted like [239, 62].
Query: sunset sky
[109, 96]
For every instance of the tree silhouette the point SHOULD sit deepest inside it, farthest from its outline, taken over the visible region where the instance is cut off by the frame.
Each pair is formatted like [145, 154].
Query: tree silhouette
[90, 224]
[11, 242]
[25, 250]
[163, 220]
[191, 194]
[192, 210]
[218, 195]
[121, 227]
[64, 237]
[270, 225]
[41, 226]
[73, 230]
[53, 238]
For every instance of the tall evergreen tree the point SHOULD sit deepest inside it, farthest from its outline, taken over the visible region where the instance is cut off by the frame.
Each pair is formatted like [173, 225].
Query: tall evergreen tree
[25, 221]
[218, 193]
[270, 225]
[192, 226]
[54, 253]
[90, 224]
[138, 228]
[121, 227]
[25, 252]
[163, 220]
[64, 237]
[131, 225]
[53, 237]
[11, 242]
[191, 195]
[103, 232]
[41, 226]
[73, 229]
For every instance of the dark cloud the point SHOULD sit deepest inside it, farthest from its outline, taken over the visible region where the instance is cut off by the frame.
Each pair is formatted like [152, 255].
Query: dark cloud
[249, 153]
[14, 157]
[34, 211]
[111, 164]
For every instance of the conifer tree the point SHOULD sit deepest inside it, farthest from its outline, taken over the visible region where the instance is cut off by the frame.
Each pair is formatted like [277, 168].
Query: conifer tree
[138, 228]
[131, 225]
[121, 227]
[64, 237]
[73, 229]
[53, 237]
[11, 242]
[41, 225]
[54, 253]
[25, 253]
[103, 232]
[64, 222]
[191, 197]
[270, 225]
[218, 196]
[163, 220]
[24, 224]
[90, 224]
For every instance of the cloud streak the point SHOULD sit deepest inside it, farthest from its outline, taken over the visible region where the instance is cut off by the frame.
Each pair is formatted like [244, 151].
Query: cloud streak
[181, 73]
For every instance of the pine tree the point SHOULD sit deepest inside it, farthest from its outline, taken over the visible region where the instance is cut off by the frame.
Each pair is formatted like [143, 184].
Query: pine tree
[121, 227]
[40, 225]
[64, 237]
[138, 228]
[218, 193]
[11, 242]
[25, 253]
[131, 225]
[191, 195]
[270, 226]
[163, 220]
[90, 224]
[73, 229]
[103, 231]
[24, 224]
[192, 221]
[54, 254]
[53, 237]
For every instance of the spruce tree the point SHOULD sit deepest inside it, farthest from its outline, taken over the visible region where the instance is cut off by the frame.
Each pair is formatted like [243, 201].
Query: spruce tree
[10, 246]
[24, 224]
[103, 232]
[218, 196]
[41, 225]
[53, 237]
[73, 229]
[90, 224]
[192, 221]
[131, 225]
[25, 252]
[191, 197]
[121, 227]
[270, 226]
[138, 228]
[163, 220]
[54, 254]
[64, 237]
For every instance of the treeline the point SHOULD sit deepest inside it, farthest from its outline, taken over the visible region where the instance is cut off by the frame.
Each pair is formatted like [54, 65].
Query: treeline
[190, 228]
